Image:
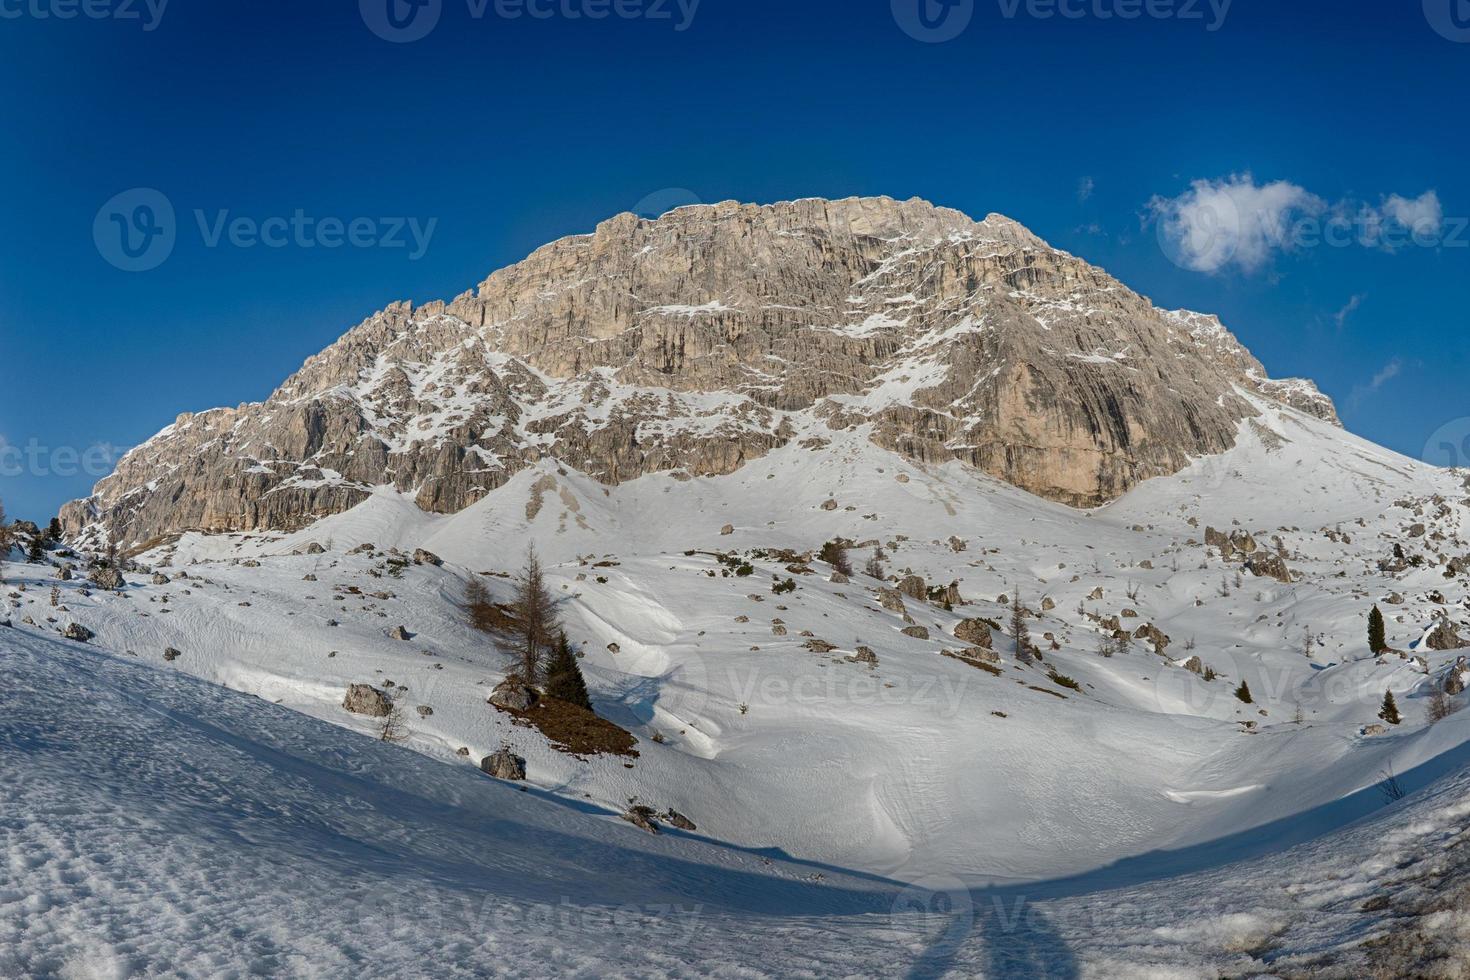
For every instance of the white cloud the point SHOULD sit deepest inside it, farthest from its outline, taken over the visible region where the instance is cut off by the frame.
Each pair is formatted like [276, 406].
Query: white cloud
[1390, 370]
[1236, 223]
[1340, 317]
[1219, 223]
[1421, 213]
[1085, 188]
[1386, 374]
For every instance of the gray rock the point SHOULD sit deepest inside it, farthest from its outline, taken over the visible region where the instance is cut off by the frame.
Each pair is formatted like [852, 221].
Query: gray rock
[364, 699]
[975, 633]
[513, 694]
[76, 631]
[400, 633]
[1444, 636]
[917, 632]
[891, 599]
[170, 654]
[107, 578]
[865, 655]
[160, 579]
[425, 711]
[914, 587]
[641, 817]
[315, 549]
[422, 557]
[678, 821]
[504, 764]
[1266, 565]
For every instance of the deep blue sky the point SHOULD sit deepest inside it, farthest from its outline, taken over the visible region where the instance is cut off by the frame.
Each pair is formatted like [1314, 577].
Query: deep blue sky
[514, 132]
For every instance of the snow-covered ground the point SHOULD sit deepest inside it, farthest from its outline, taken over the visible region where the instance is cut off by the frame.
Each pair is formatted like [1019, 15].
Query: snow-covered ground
[156, 825]
[826, 791]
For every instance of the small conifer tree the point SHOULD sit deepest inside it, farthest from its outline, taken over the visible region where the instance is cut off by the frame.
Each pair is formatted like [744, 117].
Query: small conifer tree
[564, 677]
[1390, 712]
[1377, 641]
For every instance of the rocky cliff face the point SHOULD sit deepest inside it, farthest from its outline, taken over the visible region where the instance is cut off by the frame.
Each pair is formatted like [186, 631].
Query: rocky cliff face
[704, 339]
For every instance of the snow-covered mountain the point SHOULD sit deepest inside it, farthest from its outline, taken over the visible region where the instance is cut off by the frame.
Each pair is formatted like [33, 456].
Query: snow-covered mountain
[1192, 776]
[706, 339]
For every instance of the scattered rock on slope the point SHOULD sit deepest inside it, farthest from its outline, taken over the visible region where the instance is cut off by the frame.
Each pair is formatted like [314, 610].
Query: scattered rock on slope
[504, 764]
[364, 699]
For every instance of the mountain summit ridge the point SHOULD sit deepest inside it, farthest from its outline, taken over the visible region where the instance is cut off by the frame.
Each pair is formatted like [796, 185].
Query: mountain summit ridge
[705, 338]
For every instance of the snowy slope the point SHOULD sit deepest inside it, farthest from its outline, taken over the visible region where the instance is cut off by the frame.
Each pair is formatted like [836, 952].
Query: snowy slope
[923, 764]
[154, 825]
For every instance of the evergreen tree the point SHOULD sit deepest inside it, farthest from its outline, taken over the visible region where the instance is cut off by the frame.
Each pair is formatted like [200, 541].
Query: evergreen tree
[1243, 692]
[1377, 642]
[1390, 712]
[535, 618]
[36, 553]
[5, 534]
[53, 531]
[834, 553]
[564, 677]
[1020, 635]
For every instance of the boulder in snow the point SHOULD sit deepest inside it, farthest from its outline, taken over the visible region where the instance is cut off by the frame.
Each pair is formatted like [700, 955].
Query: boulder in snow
[504, 764]
[513, 694]
[78, 632]
[364, 699]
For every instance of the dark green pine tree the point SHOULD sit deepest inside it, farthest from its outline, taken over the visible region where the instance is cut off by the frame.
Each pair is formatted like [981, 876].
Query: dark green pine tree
[564, 679]
[53, 530]
[1377, 642]
[1243, 692]
[1390, 712]
[35, 553]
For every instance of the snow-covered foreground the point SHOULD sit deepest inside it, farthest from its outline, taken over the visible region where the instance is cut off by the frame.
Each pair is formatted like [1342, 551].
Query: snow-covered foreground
[828, 790]
[155, 825]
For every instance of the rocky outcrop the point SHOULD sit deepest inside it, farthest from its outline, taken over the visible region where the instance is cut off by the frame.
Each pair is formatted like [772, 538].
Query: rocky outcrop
[504, 764]
[975, 632]
[1444, 636]
[702, 340]
[364, 699]
[513, 694]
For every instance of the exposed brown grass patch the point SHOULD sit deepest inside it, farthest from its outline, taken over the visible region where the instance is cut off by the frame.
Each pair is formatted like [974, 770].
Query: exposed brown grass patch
[575, 730]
